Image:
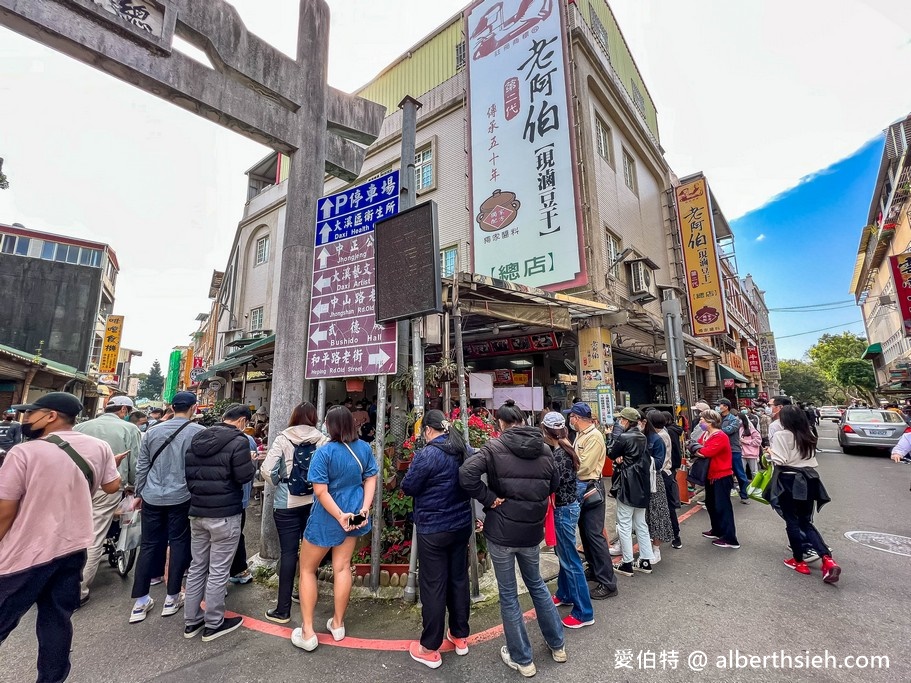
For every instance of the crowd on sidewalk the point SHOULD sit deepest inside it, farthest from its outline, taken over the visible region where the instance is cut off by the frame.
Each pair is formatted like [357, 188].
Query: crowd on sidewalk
[193, 483]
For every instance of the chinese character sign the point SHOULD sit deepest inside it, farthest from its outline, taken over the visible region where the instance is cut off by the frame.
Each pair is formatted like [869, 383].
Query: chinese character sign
[753, 359]
[110, 348]
[700, 258]
[901, 273]
[768, 356]
[525, 219]
[344, 339]
[596, 360]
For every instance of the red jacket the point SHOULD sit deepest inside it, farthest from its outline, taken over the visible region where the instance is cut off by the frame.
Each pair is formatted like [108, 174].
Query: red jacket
[717, 448]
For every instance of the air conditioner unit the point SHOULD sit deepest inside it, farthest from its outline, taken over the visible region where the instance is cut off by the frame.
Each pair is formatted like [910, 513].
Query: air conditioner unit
[640, 282]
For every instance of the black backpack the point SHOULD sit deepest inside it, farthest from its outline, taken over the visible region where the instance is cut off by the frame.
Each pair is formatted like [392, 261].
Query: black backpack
[300, 465]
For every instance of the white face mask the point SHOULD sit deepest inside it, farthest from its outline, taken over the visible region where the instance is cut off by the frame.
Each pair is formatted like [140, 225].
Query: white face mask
[768, 411]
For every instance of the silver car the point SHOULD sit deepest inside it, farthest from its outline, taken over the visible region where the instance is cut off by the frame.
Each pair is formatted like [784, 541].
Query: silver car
[870, 428]
[833, 413]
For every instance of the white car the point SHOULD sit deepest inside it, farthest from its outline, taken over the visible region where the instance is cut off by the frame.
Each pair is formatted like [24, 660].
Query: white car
[833, 413]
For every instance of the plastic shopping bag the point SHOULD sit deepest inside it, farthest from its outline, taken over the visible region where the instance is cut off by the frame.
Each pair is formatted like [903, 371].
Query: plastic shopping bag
[130, 530]
[760, 483]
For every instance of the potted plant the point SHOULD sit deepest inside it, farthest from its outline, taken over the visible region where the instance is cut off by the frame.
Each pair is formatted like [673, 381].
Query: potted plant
[408, 448]
[398, 505]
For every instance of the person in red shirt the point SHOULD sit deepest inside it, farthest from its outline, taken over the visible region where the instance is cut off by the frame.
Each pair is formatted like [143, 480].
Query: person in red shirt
[717, 447]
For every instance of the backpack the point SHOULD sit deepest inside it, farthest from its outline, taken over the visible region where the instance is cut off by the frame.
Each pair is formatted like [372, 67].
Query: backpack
[300, 465]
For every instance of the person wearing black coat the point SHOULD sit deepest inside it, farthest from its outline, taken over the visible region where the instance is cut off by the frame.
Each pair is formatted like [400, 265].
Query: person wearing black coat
[521, 475]
[217, 466]
[631, 455]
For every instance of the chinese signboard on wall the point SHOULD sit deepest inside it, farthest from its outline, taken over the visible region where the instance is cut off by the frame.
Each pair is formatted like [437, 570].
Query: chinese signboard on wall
[526, 223]
[753, 359]
[768, 356]
[110, 349]
[901, 273]
[596, 363]
[700, 257]
[344, 339]
[534, 343]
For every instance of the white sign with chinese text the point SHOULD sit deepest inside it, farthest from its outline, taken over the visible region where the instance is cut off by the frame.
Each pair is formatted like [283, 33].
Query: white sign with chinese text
[523, 184]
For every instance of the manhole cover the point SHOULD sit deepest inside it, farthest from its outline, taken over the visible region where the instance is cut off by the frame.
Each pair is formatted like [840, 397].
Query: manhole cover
[889, 543]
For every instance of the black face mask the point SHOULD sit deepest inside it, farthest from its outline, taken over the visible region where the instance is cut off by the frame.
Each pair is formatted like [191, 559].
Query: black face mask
[30, 432]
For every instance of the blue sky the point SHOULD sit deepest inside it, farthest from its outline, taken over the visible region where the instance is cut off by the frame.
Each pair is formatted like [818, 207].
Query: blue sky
[801, 246]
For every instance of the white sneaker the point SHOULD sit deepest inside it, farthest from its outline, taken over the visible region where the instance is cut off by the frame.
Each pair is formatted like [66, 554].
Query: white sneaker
[656, 554]
[297, 639]
[172, 605]
[527, 670]
[616, 550]
[140, 610]
[337, 633]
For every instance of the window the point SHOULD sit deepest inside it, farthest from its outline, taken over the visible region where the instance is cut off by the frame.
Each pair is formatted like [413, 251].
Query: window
[614, 247]
[598, 29]
[603, 140]
[423, 169]
[629, 171]
[256, 319]
[9, 244]
[262, 250]
[449, 258]
[62, 253]
[638, 99]
[48, 250]
[15, 245]
[460, 55]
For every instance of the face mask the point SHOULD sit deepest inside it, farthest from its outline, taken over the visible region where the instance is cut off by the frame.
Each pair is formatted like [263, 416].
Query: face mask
[768, 411]
[29, 432]
[704, 425]
[572, 425]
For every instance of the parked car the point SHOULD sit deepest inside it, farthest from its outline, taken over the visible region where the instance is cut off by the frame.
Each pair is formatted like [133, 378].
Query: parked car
[870, 428]
[833, 413]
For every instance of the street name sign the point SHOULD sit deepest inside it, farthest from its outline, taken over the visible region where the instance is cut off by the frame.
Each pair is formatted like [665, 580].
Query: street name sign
[344, 338]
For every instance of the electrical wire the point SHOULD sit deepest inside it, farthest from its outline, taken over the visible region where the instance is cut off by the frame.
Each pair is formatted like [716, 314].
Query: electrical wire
[822, 329]
[813, 306]
[810, 310]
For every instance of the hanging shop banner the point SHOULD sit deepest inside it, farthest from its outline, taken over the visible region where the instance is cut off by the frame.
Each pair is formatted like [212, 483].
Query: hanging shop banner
[753, 359]
[110, 349]
[596, 363]
[526, 220]
[700, 257]
[344, 339]
[768, 356]
[901, 273]
[605, 405]
[534, 343]
[170, 384]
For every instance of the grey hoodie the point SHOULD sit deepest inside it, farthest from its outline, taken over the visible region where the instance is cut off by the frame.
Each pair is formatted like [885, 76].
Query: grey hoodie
[278, 462]
[166, 482]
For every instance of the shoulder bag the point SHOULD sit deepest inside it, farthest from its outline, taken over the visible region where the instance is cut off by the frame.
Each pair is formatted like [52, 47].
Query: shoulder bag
[167, 442]
[75, 457]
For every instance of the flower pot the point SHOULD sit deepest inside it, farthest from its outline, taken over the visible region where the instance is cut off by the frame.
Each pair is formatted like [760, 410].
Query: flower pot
[364, 569]
[402, 465]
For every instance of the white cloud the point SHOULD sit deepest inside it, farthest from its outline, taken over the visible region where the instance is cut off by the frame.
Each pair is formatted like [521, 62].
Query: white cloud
[761, 237]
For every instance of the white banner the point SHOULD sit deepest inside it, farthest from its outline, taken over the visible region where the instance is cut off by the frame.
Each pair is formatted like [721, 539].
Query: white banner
[523, 189]
[768, 356]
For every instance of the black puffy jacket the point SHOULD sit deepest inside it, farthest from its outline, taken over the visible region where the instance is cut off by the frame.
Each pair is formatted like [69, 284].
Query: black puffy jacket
[217, 466]
[635, 488]
[520, 469]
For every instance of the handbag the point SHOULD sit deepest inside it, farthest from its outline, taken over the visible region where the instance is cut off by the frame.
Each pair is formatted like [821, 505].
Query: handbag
[698, 473]
[756, 488]
[592, 496]
[130, 531]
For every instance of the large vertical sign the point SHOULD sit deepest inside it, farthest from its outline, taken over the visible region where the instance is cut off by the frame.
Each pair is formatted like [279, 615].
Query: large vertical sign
[170, 384]
[110, 349]
[344, 338]
[768, 356]
[525, 213]
[753, 360]
[901, 273]
[596, 365]
[700, 258]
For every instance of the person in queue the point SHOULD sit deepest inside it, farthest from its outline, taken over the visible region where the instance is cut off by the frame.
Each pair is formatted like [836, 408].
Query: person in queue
[795, 487]
[442, 515]
[521, 475]
[572, 588]
[290, 511]
[343, 473]
[716, 445]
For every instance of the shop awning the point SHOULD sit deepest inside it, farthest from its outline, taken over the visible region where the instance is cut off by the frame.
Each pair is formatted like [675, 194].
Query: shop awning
[224, 366]
[46, 365]
[872, 350]
[731, 373]
[253, 346]
[239, 357]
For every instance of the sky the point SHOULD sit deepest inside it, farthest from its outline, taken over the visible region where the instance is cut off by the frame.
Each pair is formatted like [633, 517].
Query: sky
[764, 96]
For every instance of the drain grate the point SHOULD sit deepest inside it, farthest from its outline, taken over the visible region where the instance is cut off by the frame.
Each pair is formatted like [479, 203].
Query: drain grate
[888, 543]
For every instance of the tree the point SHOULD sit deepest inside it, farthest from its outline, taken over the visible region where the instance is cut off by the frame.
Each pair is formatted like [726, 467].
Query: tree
[857, 376]
[153, 385]
[804, 381]
[4, 183]
[831, 348]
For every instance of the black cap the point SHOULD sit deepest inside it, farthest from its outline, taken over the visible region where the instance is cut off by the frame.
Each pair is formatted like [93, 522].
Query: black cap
[725, 402]
[59, 401]
[183, 400]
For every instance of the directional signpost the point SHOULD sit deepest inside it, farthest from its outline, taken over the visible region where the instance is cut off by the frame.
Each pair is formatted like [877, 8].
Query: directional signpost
[344, 339]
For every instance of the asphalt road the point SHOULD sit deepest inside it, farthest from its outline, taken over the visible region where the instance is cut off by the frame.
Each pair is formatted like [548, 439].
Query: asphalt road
[700, 599]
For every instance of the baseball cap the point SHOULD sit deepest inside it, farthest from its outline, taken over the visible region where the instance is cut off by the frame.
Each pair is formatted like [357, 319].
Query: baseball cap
[183, 399]
[121, 401]
[59, 401]
[554, 420]
[630, 414]
[701, 405]
[582, 410]
[725, 402]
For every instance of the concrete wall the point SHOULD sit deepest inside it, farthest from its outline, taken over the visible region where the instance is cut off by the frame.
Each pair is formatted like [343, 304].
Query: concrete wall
[51, 302]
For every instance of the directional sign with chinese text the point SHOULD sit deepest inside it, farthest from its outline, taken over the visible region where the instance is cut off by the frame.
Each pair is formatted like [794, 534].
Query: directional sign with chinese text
[344, 339]
[110, 349]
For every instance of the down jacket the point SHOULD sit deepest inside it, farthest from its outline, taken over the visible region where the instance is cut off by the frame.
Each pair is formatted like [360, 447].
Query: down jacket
[635, 483]
[520, 469]
[440, 503]
[218, 464]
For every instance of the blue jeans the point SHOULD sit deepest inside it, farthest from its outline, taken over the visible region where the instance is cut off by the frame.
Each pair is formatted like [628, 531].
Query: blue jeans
[739, 473]
[504, 566]
[571, 584]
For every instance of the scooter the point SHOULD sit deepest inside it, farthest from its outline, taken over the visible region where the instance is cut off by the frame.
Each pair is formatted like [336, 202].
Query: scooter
[121, 561]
